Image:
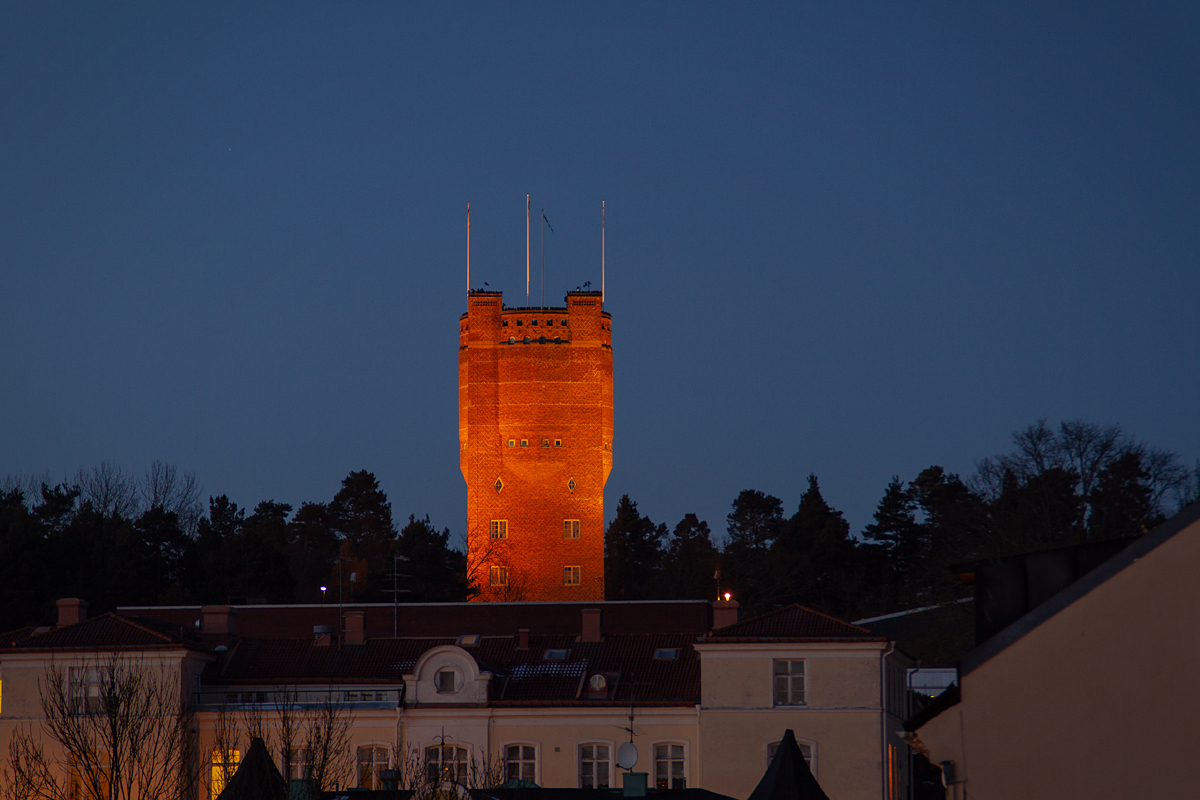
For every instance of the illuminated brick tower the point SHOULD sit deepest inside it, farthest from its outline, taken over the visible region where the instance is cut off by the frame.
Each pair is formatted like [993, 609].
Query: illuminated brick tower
[535, 426]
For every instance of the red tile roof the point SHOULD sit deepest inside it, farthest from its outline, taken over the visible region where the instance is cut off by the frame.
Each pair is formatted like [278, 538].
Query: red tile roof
[793, 622]
[521, 676]
[454, 619]
[108, 631]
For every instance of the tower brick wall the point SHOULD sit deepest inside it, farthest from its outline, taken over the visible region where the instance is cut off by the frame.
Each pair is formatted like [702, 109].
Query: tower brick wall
[535, 426]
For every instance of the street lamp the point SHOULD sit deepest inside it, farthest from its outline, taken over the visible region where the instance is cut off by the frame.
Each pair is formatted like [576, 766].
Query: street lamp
[323, 588]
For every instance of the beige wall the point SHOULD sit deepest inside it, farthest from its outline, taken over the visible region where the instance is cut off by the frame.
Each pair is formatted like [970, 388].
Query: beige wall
[1099, 701]
[841, 720]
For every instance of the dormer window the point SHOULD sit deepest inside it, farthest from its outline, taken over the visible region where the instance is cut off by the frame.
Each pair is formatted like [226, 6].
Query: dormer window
[556, 655]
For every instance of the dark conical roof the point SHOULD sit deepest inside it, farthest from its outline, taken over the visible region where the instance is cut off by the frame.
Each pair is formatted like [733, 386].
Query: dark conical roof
[257, 777]
[788, 777]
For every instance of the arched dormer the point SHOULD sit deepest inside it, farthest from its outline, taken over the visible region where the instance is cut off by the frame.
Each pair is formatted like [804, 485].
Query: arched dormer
[447, 675]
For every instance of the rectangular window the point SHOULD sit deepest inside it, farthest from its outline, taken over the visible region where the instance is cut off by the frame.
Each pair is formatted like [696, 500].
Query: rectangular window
[499, 576]
[371, 760]
[445, 681]
[445, 763]
[520, 762]
[545, 442]
[556, 655]
[558, 442]
[85, 689]
[533, 322]
[789, 683]
[570, 529]
[666, 654]
[524, 443]
[570, 576]
[298, 766]
[499, 529]
[223, 767]
[512, 442]
[668, 766]
[594, 766]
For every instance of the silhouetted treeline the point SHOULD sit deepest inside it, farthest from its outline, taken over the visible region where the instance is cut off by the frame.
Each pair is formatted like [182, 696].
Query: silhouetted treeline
[114, 540]
[1080, 482]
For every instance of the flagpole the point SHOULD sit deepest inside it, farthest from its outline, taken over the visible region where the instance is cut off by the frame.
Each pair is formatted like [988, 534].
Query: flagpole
[543, 258]
[468, 247]
[602, 252]
[527, 250]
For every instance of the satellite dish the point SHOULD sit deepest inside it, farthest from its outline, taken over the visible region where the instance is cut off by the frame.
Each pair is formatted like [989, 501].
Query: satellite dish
[627, 756]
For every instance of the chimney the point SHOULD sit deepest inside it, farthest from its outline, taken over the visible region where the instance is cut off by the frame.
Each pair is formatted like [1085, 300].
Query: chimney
[523, 639]
[354, 627]
[725, 612]
[323, 635]
[71, 611]
[218, 621]
[591, 625]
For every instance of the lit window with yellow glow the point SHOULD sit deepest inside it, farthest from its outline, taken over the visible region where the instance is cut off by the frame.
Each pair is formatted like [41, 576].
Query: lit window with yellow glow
[223, 767]
[570, 529]
[570, 576]
[499, 576]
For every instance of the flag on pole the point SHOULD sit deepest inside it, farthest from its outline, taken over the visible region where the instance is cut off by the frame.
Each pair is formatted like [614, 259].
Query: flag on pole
[548, 225]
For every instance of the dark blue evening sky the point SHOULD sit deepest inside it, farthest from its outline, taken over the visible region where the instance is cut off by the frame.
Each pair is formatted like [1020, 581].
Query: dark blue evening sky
[849, 239]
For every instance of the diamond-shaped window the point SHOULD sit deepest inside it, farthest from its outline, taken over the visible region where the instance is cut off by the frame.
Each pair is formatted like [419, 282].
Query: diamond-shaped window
[499, 484]
[570, 485]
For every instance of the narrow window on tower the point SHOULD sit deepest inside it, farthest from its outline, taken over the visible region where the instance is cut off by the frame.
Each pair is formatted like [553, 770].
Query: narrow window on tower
[499, 576]
[558, 442]
[499, 529]
[519, 323]
[524, 443]
[512, 442]
[533, 322]
[545, 442]
[570, 529]
[504, 324]
[570, 576]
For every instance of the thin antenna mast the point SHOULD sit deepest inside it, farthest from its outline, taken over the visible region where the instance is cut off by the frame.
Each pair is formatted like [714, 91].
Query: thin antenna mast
[601, 251]
[526, 249]
[543, 227]
[468, 247]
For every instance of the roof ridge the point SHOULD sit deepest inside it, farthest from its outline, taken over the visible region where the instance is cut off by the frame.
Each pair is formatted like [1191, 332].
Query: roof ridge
[130, 621]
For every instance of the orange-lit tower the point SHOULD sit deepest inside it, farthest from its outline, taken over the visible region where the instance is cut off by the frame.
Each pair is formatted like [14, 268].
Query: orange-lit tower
[535, 425]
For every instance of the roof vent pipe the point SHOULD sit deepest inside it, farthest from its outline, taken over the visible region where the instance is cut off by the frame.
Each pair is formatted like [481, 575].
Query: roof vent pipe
[523, 639]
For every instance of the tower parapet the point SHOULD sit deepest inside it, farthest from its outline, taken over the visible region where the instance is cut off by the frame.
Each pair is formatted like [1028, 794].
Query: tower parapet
[535, 445]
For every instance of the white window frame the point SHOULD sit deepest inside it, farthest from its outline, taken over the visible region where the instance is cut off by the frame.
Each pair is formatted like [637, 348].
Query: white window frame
[83, 687]
[537, 758]
[498, 529]
[612, 754]
[775, 676]
[387, 761]
[299, 766]
[440, 762]
[809, 743]
[687, 761]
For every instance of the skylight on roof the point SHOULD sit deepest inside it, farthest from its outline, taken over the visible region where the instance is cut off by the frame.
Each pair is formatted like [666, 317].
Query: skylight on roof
[556, 655]
[468, 640]
[666, 654]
